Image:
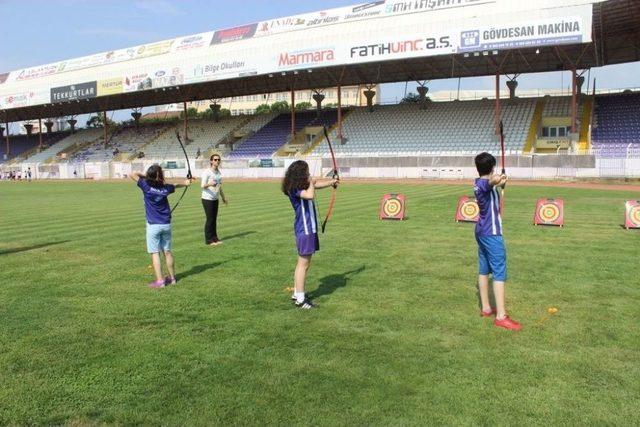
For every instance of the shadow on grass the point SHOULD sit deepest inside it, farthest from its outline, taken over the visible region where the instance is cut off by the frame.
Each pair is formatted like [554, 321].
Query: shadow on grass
[329, 284]
[239, 235]
[30, 248]
[200, 269]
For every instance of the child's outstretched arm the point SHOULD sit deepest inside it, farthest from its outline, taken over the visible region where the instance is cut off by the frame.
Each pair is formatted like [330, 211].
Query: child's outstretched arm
[324, 183]
[186, 183]
[498, 180]
[136, 176]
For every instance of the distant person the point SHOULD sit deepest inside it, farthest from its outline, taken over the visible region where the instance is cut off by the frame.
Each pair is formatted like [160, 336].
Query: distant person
[300, 188]
[198, 153]
[29, 174]
[75, 173]
[211, 183]
[158, 213]
[492, 255]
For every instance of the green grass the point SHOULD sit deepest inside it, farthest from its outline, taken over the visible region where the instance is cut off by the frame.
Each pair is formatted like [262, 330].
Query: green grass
[397, 339]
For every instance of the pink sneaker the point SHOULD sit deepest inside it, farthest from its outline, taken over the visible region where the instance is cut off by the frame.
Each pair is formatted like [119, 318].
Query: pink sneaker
[170, 280]
[508, 323]
[157, 284]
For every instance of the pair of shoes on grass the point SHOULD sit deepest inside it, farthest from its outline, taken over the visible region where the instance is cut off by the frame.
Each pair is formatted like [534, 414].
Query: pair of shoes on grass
[157, 284]
[305, 305]
[506, 322]
[216, 243]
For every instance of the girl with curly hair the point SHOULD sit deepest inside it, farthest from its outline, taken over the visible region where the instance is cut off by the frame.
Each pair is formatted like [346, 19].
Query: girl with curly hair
[300, 188]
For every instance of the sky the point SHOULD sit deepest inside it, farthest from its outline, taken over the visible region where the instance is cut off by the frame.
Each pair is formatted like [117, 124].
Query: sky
[35, 32]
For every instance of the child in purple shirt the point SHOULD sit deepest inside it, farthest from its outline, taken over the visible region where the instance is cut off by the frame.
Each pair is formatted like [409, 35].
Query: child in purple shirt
[158, 214]
[492, 255]
[300, 188]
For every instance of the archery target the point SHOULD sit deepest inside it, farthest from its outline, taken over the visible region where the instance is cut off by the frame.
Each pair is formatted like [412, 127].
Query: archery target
[632, 216]
[392, 206]
[468, 210]
[549, 212]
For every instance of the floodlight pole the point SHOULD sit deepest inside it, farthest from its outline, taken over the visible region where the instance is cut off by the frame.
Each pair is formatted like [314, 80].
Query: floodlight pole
[340, 111]
[186, 122]
[293, 113]
[574, 100]
[40, 132]
[106, 130]
[7, 138]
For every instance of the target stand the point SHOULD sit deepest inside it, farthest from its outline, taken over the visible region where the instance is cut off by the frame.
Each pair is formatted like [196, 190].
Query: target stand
[393, 206]
[549, 212]
[632, 214]
[467, 210]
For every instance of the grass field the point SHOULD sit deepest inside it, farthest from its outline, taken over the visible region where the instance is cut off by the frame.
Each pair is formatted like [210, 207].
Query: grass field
[397, 339]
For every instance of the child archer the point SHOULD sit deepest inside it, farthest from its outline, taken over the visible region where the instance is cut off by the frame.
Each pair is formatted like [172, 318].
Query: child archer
[300, 188]
[492, 256]
[158, 213]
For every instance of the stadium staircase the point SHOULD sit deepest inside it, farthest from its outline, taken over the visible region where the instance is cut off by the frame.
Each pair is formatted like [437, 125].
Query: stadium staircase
[535, 126]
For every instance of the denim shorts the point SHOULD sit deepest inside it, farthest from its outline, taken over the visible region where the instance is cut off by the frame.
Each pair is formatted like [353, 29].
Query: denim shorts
[492, 257]
[158, 238]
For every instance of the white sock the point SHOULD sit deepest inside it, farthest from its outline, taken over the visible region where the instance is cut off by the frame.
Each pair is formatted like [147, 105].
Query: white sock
[299, 297]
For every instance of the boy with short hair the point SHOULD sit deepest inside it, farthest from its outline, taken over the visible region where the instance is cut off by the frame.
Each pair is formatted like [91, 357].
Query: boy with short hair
[492, 256]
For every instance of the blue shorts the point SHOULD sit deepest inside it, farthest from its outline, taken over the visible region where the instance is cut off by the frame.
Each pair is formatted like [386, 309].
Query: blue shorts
[158, 238]
[307, 244]
[492, 257]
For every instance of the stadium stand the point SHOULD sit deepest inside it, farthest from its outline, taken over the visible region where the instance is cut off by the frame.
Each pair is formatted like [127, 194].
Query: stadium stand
[82, 136]
[616, 127]
[268, 139]
[444, 127]
[204, 135]
[23, 145]
[559, 106]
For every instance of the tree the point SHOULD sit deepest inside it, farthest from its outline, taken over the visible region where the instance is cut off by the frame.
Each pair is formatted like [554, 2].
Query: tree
[280, 107]
[192, 113]
[97, 121]
[303, 106]
[224, 112]
[410, 98]
[263, 109]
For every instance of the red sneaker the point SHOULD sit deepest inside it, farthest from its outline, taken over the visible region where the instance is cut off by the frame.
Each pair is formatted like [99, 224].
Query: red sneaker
[507, 323]
[488, 313]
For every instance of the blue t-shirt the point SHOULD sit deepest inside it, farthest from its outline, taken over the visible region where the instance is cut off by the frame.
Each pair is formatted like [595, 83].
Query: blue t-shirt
[306, 222]
[156, 203]
[488, 198]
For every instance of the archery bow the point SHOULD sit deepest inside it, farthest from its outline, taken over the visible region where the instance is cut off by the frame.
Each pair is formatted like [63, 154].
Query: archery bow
[502, 166]
[335, 175]
[189, 175]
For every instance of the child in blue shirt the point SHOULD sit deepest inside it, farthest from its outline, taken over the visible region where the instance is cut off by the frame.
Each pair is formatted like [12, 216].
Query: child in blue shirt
[300, 188]
[492, 255]
[158, 214]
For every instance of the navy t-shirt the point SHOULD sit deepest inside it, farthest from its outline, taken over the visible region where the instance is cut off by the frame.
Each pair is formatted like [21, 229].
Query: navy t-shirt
[306, 221]
[156, 203]
[488, 198]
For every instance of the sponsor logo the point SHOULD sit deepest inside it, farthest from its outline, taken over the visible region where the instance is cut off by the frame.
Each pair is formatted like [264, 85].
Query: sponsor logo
[3, 77]
[34, 73]
[17, 100]
[470, 39]
[136, 82]
[220, 68]
[308, 57]
[191, 42]
[233, 34]
[278, 24]
[110, 86]
[74, 92]
[160, 73]
[323, 20]
[367, 6]
[418, 5]
[390, 48]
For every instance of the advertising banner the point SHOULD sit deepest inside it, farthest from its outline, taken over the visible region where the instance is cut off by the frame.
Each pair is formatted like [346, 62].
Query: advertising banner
[16, 100]
[110, 87]
[74, 92]
[234, 34]
[3, 77]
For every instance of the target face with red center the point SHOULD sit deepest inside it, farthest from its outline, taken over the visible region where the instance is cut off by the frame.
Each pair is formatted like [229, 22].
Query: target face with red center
[632, 217]
[549, 212]
[393, 207]
[468, 210]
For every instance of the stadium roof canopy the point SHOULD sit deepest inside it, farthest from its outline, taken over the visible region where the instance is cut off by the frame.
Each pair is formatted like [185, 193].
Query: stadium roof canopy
[377, 42]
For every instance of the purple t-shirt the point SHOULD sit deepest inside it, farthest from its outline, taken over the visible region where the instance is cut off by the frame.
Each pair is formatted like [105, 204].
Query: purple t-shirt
[156, 203]
[306, 221]
[488, 198]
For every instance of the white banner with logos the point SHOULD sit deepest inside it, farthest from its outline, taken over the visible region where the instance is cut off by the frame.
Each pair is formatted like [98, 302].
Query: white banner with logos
[375, 31]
